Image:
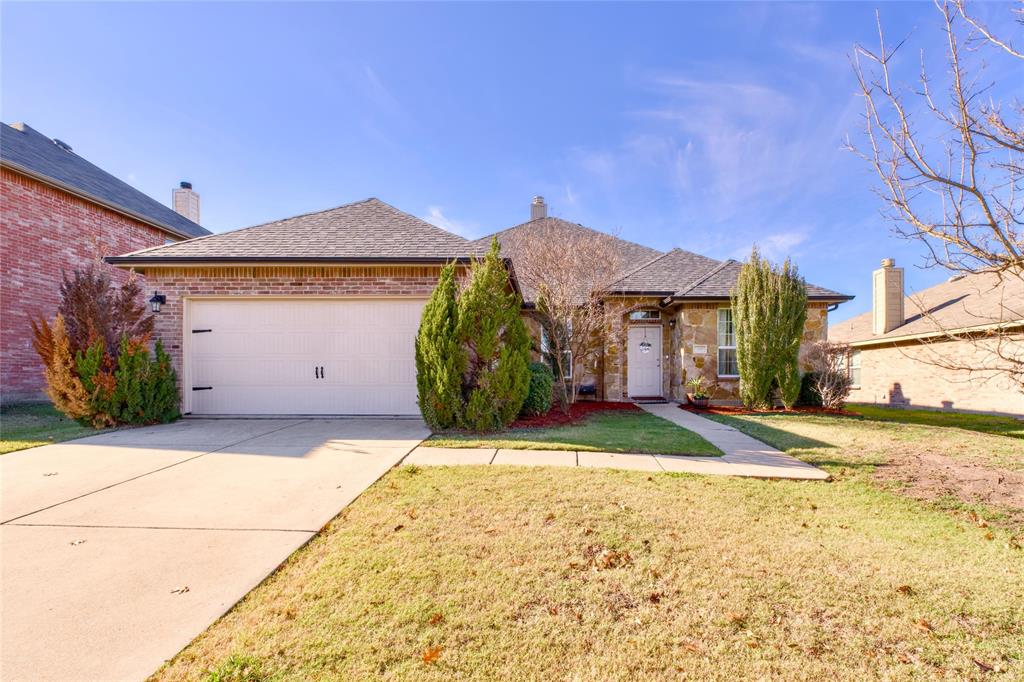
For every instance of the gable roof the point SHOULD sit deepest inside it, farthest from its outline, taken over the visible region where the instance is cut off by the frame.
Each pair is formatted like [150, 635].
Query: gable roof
[667, 274]
[27, 151]
[681, 274]
[959, 303]
[367, 230]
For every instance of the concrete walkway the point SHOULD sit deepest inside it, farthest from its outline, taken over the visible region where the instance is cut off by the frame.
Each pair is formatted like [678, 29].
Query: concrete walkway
[743, 455]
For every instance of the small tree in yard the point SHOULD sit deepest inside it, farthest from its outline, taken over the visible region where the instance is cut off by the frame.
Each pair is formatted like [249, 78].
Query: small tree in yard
[769, 307]
[440, 360]
[493, 336]
[830, 380]
[568, 271]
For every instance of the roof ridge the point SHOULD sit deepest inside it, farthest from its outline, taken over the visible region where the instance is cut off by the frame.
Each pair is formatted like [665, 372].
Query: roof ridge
[706, 276]
[568, 222]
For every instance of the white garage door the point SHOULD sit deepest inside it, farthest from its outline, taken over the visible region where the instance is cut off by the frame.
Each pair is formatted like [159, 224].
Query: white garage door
[303, 356]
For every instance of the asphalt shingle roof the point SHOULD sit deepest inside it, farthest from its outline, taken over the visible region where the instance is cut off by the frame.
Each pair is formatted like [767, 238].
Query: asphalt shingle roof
[668, 273]
[630, 254]
[368, 229]
[27, 149]
[962, 303]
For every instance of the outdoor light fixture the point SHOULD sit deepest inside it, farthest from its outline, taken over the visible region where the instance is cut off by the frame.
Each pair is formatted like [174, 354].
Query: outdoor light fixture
[157, 301]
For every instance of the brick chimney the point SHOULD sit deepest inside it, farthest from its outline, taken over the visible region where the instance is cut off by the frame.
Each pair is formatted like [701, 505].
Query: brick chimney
[186, 202]
[887, 297]
[538, 209]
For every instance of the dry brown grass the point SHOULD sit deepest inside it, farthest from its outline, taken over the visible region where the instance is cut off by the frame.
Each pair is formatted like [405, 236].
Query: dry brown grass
[572, 574]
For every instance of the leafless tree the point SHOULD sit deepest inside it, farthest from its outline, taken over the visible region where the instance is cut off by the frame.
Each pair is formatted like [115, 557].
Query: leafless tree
[567, 272]
[951, 160]
[832, 381]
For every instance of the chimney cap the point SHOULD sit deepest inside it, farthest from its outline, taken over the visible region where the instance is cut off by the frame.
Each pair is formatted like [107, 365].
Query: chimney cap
[186, 185]
[538, 200]
[888, 262]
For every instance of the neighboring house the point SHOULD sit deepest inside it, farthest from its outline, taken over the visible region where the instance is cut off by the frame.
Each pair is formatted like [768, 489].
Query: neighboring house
[937, 348]
[58, 212]
[317, 314]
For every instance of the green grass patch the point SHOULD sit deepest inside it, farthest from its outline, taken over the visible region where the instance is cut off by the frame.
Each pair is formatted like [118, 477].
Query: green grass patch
[476, 573]
[30, 425]
[983, 423]
[613, 431]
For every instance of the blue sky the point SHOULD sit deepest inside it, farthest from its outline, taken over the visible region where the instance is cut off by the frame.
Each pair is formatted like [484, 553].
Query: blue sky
[704, 126]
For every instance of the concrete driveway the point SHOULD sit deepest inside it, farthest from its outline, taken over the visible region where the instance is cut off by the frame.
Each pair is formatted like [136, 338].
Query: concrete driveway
[100, 537]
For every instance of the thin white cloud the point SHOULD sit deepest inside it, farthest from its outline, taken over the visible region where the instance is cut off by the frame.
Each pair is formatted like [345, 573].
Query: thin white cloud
[435, 216]
[778, 246]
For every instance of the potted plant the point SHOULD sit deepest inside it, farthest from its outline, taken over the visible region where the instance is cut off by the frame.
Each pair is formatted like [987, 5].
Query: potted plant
[697, 395]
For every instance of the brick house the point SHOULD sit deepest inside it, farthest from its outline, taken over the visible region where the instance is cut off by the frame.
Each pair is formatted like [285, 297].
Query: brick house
[318, 313]
[60, 212]
[914, 351]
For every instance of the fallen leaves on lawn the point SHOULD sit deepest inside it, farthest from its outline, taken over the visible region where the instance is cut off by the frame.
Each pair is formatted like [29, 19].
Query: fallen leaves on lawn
[905, 589]
[431, 655]
[736, 619]
[983, 665]
[549, 518]
[411, 512]
[924, 625]
[436, 618]
[399, 527]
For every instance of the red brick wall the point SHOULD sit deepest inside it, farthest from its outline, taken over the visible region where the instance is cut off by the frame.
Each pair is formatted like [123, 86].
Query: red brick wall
[44, 231]
[181, 282]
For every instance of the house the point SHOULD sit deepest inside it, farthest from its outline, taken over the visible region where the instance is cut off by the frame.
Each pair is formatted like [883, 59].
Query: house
[938, 348]
[317, 314]
[59, 213]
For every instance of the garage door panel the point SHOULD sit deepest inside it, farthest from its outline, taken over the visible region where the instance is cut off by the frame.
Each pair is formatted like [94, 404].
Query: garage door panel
[260, 355]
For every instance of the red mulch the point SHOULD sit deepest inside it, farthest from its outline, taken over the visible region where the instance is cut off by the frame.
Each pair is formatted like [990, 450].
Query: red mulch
[737, 410]
[577, 412]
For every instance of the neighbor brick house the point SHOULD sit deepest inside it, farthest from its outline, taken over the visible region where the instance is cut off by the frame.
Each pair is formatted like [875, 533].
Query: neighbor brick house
[938, 348]
[58, 212]
[318, 313]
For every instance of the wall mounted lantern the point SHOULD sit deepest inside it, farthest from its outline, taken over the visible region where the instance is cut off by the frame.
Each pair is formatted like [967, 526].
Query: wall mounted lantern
[157, 301]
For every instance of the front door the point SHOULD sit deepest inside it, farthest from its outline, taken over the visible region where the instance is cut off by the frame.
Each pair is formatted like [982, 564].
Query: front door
[644, 362]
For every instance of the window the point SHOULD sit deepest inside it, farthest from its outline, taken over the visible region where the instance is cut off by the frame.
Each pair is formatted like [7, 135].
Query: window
[645, 316]
[855, 367]
[727, 366]
[545, 351]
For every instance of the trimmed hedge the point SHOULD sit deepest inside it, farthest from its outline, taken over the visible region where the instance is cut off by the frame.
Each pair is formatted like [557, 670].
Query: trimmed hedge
[542, 383]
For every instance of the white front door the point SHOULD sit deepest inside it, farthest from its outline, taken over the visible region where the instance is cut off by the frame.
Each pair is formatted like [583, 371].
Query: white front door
[643, 356]
[302, 356]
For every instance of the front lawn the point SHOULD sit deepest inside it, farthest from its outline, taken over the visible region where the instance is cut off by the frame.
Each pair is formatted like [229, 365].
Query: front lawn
[614, 431]
[31, 425]
[440, 573]
[951, 467]
[985, 423]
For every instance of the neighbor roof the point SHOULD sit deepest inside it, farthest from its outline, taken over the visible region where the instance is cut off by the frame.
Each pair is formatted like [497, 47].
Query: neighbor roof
[31, 153]
[367, 230]
[960, 303]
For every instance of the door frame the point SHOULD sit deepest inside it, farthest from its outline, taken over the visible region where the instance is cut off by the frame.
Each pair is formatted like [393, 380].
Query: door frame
[658, 332]
[186, 323]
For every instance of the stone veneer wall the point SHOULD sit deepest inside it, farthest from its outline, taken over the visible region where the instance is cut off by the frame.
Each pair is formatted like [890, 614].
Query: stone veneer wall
[178, 283]
[907, 372]
[695, 324]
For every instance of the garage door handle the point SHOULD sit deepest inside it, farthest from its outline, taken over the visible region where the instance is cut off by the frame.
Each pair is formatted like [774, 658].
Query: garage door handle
[316, 372]
[321, 371]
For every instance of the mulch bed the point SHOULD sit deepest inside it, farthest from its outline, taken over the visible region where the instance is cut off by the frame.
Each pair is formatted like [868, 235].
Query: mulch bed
[577, 412]
[739, 410]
